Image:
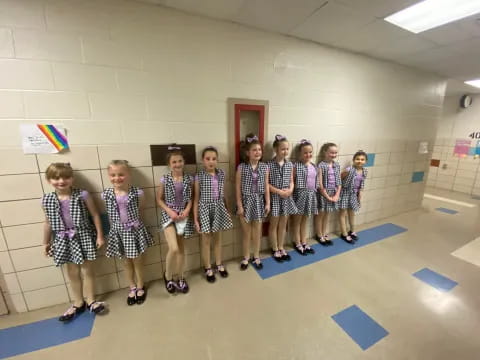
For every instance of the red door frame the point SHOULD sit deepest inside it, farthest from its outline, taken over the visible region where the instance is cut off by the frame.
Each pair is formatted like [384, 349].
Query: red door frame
[261, 134]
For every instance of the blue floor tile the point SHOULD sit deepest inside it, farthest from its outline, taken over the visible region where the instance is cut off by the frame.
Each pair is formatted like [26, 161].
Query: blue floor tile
[272, 268]
[43, 334]
[436, 280]
[359, 326]
[447, 211]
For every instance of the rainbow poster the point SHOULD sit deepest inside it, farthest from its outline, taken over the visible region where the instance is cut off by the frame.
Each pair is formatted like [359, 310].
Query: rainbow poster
[43, 139]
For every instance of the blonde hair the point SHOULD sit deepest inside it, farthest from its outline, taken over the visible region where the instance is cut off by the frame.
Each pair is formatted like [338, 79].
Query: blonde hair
[59, 170]
[118, 163]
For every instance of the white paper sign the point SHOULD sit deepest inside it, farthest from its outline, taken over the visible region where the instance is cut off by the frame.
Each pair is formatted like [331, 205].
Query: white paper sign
[43, 139]
[423, 147]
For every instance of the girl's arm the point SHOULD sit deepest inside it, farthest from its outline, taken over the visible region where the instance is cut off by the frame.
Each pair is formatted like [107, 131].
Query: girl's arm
[96, 220]
[160, 201]
[274, 190]
[47, 237]
[238, 191]
[267, 194]
[196, 198]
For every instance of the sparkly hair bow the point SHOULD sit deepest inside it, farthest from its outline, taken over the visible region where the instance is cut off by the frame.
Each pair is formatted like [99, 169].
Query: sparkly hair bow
[280, 137]
[172, 147]
[251, 139]
[305, 142]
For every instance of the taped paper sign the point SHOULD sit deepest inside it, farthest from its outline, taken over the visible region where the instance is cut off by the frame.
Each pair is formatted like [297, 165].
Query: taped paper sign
[462, 148]
[43, 139]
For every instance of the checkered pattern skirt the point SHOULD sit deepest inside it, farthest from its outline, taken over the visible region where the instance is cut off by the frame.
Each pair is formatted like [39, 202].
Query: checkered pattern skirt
[282, 206]
[214, 217]
[81, 247]
[349, 200]
[165, 221]
[253, 207]
[325, 205]
[128, 243]
[306, 201]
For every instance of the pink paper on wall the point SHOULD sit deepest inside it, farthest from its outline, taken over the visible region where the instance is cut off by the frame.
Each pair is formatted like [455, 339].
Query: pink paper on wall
[462, 147]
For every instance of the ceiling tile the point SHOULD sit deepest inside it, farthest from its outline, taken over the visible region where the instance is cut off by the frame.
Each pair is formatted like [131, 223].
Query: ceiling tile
[376, 34]
[276, 15]
[446, 34]
[378, 8]
[331, 22]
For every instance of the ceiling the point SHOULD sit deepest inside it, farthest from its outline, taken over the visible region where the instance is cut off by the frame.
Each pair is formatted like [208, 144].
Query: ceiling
[451, 50]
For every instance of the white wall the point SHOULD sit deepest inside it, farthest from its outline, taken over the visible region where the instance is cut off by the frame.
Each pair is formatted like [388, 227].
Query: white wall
[121, 75]
[454, 173]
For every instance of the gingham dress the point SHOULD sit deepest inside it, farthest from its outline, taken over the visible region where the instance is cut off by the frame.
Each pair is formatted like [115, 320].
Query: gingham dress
[70, 245]
[253, 200]
[126, 239]
[305, 198]
[213, 214]
[324, 204]
[279, 177]
[169, 196]
[349, 195]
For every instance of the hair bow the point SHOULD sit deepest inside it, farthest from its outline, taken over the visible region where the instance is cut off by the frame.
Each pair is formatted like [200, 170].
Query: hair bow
[280, 137]
[171, 147]
[251, 139]
[305, 141]
[211, 148]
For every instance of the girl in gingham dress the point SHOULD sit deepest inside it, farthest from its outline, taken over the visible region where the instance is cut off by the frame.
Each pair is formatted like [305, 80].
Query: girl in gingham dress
[210, 212]
[70, 238]
[253, 198]
[304, 194]
[281, 202]
[330, 187]
[353, 182]
[128, 237]
[174, 196]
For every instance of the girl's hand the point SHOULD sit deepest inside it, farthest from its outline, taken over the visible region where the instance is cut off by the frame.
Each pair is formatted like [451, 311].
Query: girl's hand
[240, 210]
[172, 214]
[288, 192]
[197, 226]
[335, 197]
[47, 248]
[100, 242]
[267, 210]
[359, 197]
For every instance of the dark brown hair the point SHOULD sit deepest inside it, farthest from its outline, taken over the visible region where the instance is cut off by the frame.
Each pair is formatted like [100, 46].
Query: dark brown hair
[278, 140]
[360, 153]
[245, 145]
[300, 146]
[209, 148]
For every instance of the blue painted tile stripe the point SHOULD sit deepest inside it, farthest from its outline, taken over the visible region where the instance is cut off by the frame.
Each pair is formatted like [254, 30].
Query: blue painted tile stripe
[43, 334]
[272, 268]
[418, 176]
[371, 160]
[436, 280]
[447, 211]
[359, 326]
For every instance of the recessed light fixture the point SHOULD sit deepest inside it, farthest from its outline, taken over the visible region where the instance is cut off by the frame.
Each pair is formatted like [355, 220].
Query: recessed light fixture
[475, 83]
[429, 14]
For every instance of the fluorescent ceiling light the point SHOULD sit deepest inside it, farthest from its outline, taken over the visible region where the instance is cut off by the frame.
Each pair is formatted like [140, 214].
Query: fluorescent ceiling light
[475, 83]
[429, 14]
